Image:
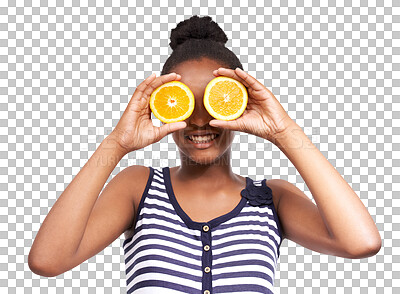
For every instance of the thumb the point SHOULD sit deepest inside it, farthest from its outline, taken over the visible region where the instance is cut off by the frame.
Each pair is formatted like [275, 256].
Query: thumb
[169, 128]
[230, 125]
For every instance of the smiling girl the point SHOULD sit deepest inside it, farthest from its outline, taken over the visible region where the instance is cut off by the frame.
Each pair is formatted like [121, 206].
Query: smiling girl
[199, 227]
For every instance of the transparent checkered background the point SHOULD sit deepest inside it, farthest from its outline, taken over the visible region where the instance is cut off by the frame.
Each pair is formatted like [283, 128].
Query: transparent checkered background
[67, 73]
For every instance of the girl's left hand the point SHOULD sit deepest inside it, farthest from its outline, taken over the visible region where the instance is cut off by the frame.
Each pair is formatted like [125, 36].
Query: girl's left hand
[264, 116]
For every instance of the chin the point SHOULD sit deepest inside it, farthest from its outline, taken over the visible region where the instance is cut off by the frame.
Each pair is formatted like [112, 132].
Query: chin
[203, 161]
[206, 159]
[212, 155]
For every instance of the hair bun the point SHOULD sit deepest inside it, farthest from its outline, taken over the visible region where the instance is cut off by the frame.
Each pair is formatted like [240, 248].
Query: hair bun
[197, 28]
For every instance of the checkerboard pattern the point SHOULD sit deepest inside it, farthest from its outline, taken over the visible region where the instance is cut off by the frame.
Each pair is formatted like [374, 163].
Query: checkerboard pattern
[67, 73]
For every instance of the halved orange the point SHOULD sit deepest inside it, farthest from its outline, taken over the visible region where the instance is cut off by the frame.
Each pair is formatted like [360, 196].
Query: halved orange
[225, 98]
[172, 102]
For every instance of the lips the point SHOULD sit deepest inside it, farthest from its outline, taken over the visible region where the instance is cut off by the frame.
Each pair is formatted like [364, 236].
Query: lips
[202, 139]
[201, 133]
[202, 144]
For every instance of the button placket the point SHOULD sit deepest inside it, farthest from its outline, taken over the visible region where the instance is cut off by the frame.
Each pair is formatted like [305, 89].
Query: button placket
[206, 259]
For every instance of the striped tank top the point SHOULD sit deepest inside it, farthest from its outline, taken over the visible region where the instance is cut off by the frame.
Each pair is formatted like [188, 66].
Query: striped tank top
[170, 253]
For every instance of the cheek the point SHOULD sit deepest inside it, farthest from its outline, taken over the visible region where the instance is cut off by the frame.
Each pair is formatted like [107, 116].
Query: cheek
[229, 138]
[177, 137]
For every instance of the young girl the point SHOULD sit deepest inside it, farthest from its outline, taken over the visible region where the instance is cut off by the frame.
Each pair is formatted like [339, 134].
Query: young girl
[199, 227]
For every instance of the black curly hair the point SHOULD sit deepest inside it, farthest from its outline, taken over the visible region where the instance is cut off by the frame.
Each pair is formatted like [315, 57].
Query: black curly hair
[199, 37]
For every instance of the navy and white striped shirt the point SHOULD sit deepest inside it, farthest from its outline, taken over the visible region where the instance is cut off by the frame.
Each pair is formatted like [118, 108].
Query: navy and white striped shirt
[170, 253]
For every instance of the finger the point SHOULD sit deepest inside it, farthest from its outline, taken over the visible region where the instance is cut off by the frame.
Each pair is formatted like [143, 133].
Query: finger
[231, 74]
[138, 94]
[230, 125]
[159, 81]
[252, 82]
[143, 85]
[169, 128]
[154, 85]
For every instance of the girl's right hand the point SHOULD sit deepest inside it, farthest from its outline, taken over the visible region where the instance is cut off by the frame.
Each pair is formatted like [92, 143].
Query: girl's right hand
[135, 129]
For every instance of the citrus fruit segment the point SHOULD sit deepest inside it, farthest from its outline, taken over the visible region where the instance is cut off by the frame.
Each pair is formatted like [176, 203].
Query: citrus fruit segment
[225, 98]
[172, 102]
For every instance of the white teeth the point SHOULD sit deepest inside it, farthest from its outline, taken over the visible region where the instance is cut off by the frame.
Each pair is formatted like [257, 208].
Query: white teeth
[203, 139]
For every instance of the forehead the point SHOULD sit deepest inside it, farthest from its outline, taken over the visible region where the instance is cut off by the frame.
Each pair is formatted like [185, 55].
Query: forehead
[196, 74]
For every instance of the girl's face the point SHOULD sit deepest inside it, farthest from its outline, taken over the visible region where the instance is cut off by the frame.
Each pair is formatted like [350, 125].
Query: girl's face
[196, 74]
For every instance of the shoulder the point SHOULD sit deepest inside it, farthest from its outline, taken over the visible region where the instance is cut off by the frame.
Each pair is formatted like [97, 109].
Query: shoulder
[135, 179]
[138, 170]
[290, 202]
[135, 173]
[282, 188]
[276, 188]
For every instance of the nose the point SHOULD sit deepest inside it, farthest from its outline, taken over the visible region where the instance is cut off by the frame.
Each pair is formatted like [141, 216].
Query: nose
[200, 115]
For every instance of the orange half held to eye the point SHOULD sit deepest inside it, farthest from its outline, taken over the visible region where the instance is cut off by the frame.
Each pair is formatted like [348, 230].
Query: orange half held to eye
[172, 102]
[225, 98]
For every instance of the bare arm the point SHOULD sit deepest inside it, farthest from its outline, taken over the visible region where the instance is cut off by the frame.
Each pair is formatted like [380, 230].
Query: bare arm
[340, 224]
[62, 230]
[70, 232]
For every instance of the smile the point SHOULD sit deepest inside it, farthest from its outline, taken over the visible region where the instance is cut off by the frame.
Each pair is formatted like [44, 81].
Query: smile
[202, 141]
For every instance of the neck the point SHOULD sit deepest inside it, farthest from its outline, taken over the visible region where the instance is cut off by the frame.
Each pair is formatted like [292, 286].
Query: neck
[213, 173]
